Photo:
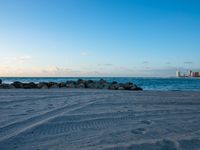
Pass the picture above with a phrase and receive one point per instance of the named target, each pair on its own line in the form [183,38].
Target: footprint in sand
[30,110]
[138,131]
[147,122]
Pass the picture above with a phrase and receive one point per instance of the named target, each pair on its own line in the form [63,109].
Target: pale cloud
[145,62]
[188,62]
[50,71]
[15,60]
[145,71]
[58,71]
[111,71]
[105,65]
[84,53]
[24,58]
[63,72]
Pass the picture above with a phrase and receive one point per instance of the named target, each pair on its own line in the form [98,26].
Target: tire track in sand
[19,127]
[49,129]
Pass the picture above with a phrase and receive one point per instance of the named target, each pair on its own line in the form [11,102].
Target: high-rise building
[178,73]
[195,74]
[190,73]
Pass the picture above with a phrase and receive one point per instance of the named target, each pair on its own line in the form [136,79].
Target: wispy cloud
[50,71]
[105,65]
[24,58]
[168,63]
[145,62]
[15,60]
[188,62]
[84,53]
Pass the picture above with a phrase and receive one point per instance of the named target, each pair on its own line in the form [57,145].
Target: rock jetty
[80,83]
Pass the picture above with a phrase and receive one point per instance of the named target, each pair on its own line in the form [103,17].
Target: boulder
[114,82]
[89,83]
[62,85]
[131,86]
[34,85]
[102,81]
[6,86]
[52,84]
[137,88]
[93,85]
[80,85]
[70,84]
[80,81]
[30,85]
[99,86]
[42,85]
[114,86]
[128,86]
[105,85]
[17,84]
[55,86]
[121,88]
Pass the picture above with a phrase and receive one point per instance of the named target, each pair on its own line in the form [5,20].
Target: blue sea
[161,84]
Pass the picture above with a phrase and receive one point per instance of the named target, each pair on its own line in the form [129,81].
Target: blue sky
[99,37]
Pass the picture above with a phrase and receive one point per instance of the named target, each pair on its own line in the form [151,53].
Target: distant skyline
[129,38]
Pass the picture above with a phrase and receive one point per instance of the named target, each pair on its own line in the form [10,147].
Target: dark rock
[62,85]
[70,84]
[51,84]
[79,81]
[131,86]
[128,86]
[26,86]
[121,88]
[102,81]
[6,86]
[30,85]
[42,85]
[80,85]
[114,86]
[90,81]
[0,81]
[90,85]
[138,89]
[17,84]
[93,85]
[105,85]
[34,85]
[114,82]
[99,86]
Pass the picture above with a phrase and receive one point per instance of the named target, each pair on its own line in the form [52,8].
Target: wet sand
[99,119]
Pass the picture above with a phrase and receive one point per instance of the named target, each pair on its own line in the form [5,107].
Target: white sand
[99,119]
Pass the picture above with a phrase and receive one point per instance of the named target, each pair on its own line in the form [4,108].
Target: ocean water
[161,84]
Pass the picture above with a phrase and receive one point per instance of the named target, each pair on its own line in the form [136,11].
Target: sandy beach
[48,119]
